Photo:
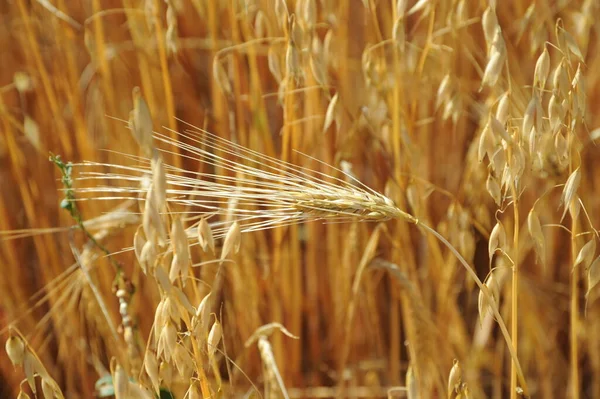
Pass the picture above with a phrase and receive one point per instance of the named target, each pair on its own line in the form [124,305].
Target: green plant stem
[69,204]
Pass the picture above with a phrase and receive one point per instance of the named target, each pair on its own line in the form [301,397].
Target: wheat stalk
[261,192]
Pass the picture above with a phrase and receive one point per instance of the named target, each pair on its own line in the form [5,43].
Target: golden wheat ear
[258,191]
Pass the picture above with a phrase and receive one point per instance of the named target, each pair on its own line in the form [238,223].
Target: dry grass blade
[266,331]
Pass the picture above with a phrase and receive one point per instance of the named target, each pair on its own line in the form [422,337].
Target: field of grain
[299,199]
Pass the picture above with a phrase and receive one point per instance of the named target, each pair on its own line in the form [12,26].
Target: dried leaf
[266,330]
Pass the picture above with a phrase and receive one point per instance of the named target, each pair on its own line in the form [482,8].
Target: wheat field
[299,199]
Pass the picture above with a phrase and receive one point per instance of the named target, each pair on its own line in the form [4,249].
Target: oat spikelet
[593,276]
[412,386]
[121,383]
[205,236]
[140,122]
[330,114]
[484,304]
[535,230]
[454,378]
[542,69]
[214,337]
[15,349]
[586,254]
[569,190]
[232,241]
[497,239]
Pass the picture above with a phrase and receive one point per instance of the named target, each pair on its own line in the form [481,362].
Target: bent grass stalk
[267,193]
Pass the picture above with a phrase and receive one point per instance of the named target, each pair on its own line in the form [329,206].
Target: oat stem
[574,310]
[515,293]
[493,305]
